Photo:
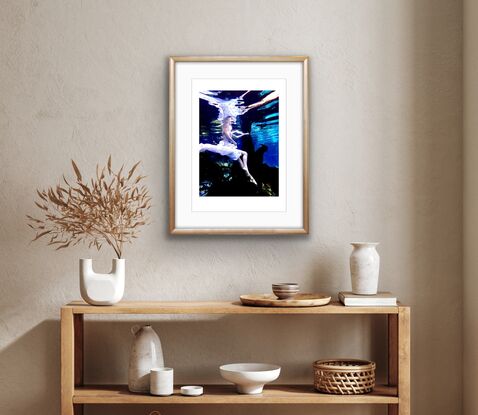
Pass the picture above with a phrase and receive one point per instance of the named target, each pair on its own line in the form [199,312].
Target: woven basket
[344,376]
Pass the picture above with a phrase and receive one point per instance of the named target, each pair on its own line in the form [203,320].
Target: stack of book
[381,299]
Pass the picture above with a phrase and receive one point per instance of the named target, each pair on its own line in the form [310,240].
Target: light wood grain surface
[226,394]
[404,360]
[67,361]
[217,307]
[299,300]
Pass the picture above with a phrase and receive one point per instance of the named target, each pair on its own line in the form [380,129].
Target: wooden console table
[74,394]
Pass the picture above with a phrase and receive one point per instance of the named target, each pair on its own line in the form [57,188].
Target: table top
[219,307]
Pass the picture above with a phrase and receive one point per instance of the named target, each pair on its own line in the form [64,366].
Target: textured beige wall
[83,79]
[470,205]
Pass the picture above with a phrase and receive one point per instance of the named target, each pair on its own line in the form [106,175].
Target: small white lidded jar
[162,381]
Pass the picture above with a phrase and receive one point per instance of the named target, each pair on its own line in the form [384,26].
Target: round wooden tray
[300,300]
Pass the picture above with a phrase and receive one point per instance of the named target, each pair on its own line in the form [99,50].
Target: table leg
[393,357]
[404,360]
[71,360]
[67,361]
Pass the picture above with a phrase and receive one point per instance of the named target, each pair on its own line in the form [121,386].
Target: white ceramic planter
[146,354]
[364,268]
[102,289]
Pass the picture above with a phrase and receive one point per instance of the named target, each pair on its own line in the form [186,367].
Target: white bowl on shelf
[250,378]
[192,390]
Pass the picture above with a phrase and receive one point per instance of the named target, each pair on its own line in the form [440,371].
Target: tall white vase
[364,268]
[102,289]
[146,354]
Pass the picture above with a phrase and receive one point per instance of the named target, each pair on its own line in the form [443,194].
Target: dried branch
[109,208]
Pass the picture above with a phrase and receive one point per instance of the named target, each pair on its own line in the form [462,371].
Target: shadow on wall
[33,356]
[436,197]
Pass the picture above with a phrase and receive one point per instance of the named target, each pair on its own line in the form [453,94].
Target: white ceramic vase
[146,354]
[102,289]
[364,268]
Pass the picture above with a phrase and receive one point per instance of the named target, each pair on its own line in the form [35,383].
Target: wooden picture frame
[278,81]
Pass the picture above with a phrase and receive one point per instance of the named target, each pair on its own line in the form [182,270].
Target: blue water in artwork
[239,143]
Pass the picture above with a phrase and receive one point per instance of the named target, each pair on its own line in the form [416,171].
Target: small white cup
[162,381]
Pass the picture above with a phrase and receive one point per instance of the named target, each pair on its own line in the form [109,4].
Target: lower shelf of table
[226,394]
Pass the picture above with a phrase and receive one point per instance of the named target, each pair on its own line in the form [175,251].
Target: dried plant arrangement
[107,209]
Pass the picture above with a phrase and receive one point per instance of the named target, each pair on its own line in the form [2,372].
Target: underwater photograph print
[239,143]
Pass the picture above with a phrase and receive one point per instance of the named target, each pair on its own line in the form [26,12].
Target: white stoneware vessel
[146,354]
[364,268]
[192,390]
[102,289]
[162,381]
[250,378]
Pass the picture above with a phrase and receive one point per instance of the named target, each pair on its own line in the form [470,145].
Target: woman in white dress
[228,146]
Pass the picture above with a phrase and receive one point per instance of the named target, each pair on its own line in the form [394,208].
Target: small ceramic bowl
[285,290]
[191,390]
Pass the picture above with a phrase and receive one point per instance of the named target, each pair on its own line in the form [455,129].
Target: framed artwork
[238,144]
